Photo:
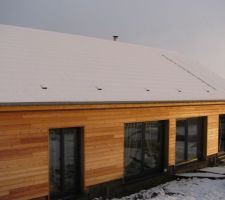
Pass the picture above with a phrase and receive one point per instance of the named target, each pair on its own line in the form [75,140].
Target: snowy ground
[216,170]
[184,189]
[202,175]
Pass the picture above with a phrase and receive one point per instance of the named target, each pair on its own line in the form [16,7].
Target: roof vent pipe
[115,37]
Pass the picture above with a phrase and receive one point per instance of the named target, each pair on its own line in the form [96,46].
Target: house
[79,112]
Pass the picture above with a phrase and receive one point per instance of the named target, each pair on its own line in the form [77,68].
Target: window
[189,139]
[222,133]
[65,162]
[143,147]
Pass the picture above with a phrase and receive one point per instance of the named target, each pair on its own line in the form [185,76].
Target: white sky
[193,27]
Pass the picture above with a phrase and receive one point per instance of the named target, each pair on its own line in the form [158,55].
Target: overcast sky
[193,27]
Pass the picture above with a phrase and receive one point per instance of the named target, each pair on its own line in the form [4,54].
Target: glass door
[153,148]
[189,139]
[65,162]
[222,134]
[181,141]
[144,148]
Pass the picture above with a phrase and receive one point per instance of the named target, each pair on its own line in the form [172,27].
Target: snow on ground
[183,189]
[201,175]
[216,170]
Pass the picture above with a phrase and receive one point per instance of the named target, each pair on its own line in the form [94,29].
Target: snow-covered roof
[48,67]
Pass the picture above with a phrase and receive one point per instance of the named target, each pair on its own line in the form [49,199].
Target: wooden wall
[212,134]
[24,142]
[172,142]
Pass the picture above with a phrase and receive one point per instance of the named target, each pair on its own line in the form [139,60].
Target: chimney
[115,37]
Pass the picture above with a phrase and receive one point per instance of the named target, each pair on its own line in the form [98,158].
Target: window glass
[143,148]
[180,141]
[152,156]
[69,160]
[189,139]
[193,131]
[133,151]
[65,163]
[54,163]
[222,134]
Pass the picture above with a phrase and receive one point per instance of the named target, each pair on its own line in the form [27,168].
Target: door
[65,162]
[153,146]
[144,148]
[189,139]
[222,134]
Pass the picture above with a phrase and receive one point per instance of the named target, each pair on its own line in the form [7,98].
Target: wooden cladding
[212,134]
[24,168]
[172,142]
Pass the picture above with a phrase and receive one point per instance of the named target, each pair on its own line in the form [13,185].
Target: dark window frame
[221,151]
[81,162]
[163,134]
[200,154]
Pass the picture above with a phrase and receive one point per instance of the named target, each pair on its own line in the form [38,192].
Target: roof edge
[34,106]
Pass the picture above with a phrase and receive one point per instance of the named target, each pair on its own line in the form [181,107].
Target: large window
[143,147]
[65,162]
[222,134]
[189,139]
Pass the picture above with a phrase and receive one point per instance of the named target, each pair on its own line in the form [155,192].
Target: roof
[39,66]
